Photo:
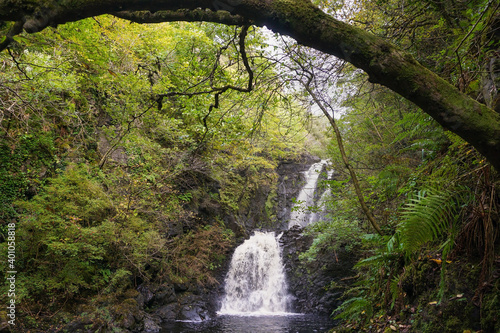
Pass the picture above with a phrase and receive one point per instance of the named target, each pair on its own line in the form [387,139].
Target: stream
[291,323]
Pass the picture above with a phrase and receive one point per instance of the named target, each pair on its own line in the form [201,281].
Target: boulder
[150,325]
[193,308]
[167,312]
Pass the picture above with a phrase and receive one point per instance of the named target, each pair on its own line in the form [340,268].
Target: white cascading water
[321,213]
[255,283]
[300,216]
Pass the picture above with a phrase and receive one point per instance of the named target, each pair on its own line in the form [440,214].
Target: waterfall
[255,283]
[300,215]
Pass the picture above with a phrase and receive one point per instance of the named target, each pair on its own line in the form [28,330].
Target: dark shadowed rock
[310,283]
[145,295]
[165,294]
[167,312]
[193,308]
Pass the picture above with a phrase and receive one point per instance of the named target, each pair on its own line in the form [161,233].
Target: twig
[467,36]
[129,127]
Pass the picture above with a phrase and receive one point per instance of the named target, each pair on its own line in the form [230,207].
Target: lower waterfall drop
[255,283]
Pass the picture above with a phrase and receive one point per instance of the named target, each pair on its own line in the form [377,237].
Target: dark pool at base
[253,324]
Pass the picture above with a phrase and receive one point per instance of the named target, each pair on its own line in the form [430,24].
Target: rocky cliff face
[316,286]
[270,205]
[290,181]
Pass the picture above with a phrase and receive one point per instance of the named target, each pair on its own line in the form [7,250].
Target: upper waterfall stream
[300,215]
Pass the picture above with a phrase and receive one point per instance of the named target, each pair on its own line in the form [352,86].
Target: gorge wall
[146,307]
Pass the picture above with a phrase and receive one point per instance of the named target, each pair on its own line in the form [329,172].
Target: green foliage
[429,215]
[61,238]
[109,147]
[24,162]
[73,194]
[330,235]
[356,308]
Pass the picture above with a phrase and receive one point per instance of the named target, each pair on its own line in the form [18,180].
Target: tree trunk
[308,25]
[345,159]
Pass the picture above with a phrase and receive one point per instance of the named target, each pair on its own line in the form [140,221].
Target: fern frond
[428,216]
[355,308]
[395,289]
[376,260]
[394,243]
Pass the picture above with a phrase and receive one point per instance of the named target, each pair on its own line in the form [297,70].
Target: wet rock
[193,308]
[88,325]
[165,294]
[140,300]
[167,312]
[190,313]
[127,321]
[146,295]
[126,313]
[181,287]
[149,325]
[290,181]
[310,283]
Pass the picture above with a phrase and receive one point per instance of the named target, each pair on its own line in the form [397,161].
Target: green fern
[395,289]
[356,308]
[377,260]
[430,215]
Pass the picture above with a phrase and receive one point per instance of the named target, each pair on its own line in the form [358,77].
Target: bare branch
[120,138]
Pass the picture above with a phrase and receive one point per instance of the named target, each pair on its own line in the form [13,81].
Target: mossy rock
[130,293]
[126,312]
